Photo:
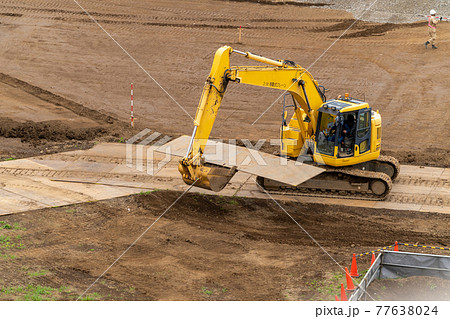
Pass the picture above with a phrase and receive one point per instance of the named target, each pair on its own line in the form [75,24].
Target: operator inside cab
[337,130]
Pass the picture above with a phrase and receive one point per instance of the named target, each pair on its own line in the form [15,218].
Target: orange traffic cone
[343,295]
[396,246]
[336,298]
[350,286]
[373,260]
[354,268]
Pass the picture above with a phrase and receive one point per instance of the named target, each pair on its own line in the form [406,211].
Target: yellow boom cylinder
[259,58]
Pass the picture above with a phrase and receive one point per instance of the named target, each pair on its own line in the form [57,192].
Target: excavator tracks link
[392,161]
[363,185]
[383,164]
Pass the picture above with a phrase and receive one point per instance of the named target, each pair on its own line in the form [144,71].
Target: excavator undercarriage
[370,180]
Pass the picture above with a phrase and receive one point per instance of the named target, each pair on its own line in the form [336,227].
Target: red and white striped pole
[132,116]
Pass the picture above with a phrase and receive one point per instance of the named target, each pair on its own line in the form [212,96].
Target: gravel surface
[393,11]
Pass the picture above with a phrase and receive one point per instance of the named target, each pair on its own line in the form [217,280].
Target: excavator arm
[282,75]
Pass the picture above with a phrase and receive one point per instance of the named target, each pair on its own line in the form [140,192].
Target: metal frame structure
[395,264]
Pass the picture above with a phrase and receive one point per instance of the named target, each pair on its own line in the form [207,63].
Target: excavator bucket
[209,177]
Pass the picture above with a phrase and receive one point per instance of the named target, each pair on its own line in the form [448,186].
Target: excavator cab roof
[335,107]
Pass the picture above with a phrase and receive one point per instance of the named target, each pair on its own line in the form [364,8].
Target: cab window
[363,124]
[363,131]
[326,136]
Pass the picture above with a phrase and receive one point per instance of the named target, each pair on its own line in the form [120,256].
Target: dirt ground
[56,47]
[412,288]
[65,85]
[203,248]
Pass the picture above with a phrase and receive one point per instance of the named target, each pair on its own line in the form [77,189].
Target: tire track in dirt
[169,25]
[365,29]
[178,15]
[79,174]
[436,199]
[432,199]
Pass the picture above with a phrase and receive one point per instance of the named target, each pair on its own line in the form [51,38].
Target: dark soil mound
[50,130]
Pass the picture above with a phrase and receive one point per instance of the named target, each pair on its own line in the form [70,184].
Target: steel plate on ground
[247,160]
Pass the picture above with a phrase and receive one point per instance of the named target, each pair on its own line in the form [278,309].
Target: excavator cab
[348,132]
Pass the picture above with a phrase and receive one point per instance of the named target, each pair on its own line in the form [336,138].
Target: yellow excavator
[342,135]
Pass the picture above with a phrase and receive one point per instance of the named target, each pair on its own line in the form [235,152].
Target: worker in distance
[432,22]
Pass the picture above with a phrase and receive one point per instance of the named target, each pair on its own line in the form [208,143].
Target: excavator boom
[281,75]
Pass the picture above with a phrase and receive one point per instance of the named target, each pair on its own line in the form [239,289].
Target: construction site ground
[66,189]
[204,248]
